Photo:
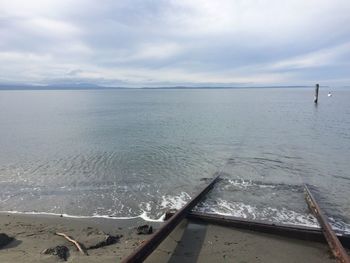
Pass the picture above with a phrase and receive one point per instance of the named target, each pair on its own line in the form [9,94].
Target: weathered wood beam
[316,93]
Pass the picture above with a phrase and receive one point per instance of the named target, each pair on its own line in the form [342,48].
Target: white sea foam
[244,184]
[143,215]
[175,202]
[239,209]
[146,209]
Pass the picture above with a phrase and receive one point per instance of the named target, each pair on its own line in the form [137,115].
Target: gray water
[128,153]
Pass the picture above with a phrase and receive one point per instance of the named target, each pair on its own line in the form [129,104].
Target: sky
[144,43]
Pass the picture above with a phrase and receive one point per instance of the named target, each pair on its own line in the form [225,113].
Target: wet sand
[35,233]
[190,242]
[197,242]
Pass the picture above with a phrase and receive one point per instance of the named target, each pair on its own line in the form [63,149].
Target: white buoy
[329,94]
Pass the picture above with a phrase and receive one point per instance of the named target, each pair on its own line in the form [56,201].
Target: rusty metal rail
[144,250]
[291,231]
[332,240]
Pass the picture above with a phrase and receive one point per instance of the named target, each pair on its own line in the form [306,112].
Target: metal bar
[293,231]
[144,250]
[332,240]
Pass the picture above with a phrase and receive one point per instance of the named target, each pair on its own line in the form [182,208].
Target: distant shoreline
[24,87]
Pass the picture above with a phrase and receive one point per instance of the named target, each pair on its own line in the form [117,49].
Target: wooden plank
[293,231]
[144,250]
[332,240]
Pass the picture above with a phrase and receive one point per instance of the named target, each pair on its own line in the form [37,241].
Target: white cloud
[200,41]
[319,58]
[156,51]
[52,27]
[33,8]
[259,18]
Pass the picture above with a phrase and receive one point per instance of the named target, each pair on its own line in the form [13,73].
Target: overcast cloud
[177,42]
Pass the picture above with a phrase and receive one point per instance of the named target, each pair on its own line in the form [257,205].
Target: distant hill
[89,86]
[80,86]
[235,87]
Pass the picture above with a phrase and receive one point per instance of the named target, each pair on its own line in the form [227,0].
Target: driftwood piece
[76,243]
[109,240]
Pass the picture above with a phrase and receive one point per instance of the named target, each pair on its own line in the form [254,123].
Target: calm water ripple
[127,153]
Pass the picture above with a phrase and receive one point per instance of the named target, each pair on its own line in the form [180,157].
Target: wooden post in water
[316,93]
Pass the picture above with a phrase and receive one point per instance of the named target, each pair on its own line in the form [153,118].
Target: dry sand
[189,242]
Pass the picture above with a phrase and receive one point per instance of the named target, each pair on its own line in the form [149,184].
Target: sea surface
[138,153]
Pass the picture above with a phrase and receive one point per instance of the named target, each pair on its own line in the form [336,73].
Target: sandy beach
[190,242]
[35,233]
[199,242]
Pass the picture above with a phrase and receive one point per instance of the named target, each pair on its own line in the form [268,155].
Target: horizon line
[97,87]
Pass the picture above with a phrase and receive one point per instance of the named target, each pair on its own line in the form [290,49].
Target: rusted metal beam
[332,240]
[144,250]
[293,231]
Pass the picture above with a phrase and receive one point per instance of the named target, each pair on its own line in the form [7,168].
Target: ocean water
[137,153]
